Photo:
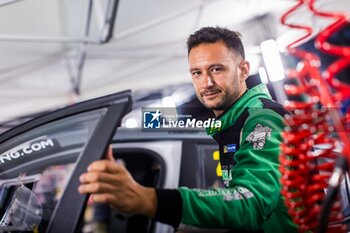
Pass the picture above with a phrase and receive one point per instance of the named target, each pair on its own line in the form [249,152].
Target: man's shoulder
[265,117]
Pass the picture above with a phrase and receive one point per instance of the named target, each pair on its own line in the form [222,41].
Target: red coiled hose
[343,52]
[315,123]
[343,62]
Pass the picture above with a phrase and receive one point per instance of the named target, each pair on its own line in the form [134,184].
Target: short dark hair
[214,34]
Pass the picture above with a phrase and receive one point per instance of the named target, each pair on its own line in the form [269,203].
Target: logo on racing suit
[229,148]
[258,136]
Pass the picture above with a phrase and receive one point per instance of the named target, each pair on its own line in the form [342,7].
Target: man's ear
[245,70]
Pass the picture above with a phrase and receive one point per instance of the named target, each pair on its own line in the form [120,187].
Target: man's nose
[207,81]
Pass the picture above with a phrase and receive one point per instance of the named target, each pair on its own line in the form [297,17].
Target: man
[248,140]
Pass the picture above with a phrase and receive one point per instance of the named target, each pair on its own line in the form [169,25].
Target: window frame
[72,202]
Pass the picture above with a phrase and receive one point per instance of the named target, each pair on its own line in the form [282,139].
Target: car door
[41,161]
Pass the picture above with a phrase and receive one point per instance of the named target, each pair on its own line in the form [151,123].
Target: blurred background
[58,52]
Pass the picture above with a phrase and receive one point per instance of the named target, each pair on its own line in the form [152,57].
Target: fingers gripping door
[94,150]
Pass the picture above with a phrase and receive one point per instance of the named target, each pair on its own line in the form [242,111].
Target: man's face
[218,75]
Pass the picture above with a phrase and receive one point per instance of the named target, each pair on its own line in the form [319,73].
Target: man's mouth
[210,94]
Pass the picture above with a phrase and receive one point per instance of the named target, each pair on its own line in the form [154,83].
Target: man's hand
[110,182]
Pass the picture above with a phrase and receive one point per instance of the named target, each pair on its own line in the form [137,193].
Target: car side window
[49,153]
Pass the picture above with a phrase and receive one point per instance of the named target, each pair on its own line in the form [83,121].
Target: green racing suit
[249,143]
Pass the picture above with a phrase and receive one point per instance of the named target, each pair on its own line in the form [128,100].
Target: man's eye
[195,73]
[215,70]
